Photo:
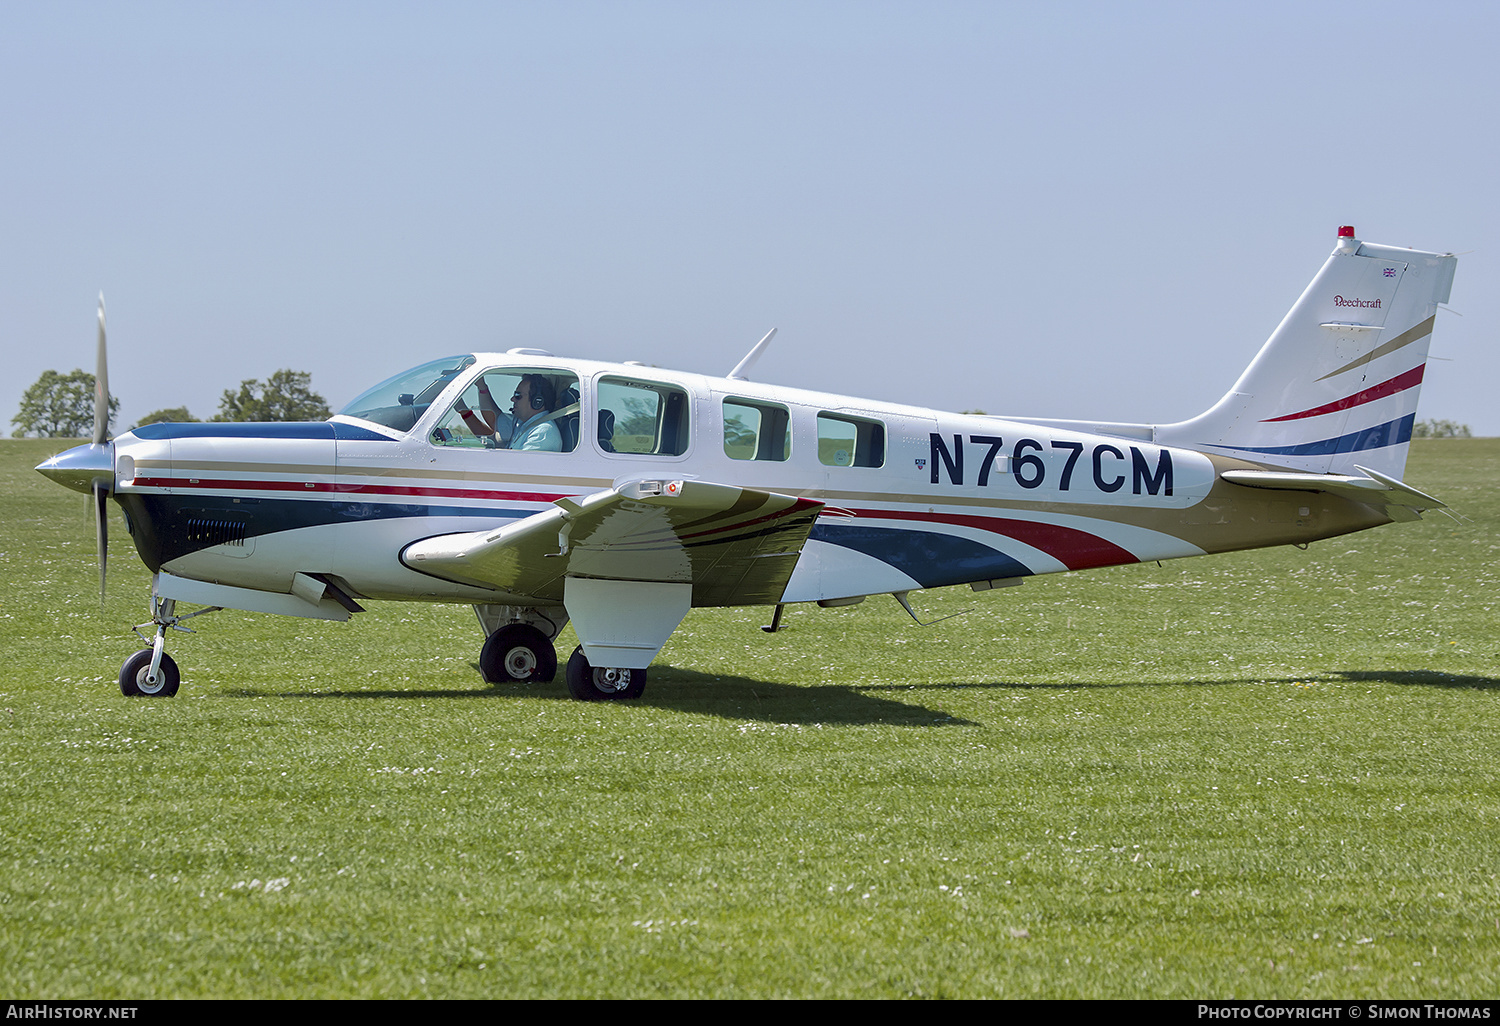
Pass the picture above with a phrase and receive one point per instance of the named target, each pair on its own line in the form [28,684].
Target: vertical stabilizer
[1337,382]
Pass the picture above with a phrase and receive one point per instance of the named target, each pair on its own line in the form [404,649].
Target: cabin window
[527,410]
[850,441]
[756,431]
[643,418]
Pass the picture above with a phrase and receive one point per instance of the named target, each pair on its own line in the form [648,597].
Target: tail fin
[1337,382]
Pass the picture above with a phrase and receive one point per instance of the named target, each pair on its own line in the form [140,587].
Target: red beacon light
[1346,232]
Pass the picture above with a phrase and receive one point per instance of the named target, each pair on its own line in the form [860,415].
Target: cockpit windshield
[399,402]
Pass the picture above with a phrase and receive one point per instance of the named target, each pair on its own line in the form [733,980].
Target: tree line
[62,405]
[1440,429]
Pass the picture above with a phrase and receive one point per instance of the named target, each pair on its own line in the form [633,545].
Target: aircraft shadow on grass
[1420,678]
[737,698]
[745,698]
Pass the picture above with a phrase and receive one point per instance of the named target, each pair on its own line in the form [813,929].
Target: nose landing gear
[147,675]
[151,673]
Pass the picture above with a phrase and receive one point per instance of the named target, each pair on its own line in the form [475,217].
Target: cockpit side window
[646,418]
[523,409]
[756,431]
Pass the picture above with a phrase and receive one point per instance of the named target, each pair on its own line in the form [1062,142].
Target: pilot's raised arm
[489,420]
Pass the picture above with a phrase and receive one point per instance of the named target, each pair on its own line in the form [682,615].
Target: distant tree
[1440,429]
[638,418]
[59,406]
[285,395]
[175,415]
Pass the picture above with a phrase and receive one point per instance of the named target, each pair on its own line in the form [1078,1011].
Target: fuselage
[914,498]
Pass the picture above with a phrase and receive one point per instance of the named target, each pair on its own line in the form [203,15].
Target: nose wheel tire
[517,653]
[134,676]
[589,683]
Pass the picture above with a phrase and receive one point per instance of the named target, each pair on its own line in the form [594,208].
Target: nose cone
[81,466]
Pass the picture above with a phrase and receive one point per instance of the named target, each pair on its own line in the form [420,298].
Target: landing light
[641,489]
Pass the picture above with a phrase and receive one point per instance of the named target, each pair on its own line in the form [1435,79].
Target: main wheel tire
[133,674]
[589,683]
[517,653]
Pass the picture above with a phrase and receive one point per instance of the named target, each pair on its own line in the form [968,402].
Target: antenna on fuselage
[901,597]
[743,367]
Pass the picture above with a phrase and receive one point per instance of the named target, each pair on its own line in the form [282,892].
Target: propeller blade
[100,487]
[101,385]
[101,531]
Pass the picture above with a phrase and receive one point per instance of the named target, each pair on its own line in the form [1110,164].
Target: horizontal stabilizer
[1397,500]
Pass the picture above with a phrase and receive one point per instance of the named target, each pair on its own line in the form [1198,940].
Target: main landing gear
[518,649]
[518,643]
[589,683]
[517,653]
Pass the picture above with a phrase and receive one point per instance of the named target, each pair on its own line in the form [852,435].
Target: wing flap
[733,545]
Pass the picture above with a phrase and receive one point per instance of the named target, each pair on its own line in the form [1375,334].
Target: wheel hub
[611,678]
[520,663]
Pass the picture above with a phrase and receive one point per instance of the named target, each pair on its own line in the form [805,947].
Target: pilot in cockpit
[531,407]
[530,425]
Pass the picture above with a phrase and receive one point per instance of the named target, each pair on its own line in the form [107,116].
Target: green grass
[1267,774]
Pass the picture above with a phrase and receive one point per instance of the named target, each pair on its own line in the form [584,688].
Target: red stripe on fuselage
[1075,549]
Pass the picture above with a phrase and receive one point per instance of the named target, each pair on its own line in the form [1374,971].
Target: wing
[1395,499]
[735,546]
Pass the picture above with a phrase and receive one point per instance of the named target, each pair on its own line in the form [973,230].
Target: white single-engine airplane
[540,489]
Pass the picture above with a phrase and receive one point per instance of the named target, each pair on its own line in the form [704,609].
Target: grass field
[1269,774]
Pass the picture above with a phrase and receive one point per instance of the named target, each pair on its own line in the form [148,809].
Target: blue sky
[1063,209]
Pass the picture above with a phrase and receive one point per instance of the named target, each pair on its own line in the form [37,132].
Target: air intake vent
[209,531]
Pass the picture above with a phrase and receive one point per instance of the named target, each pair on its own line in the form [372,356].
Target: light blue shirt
[537,435]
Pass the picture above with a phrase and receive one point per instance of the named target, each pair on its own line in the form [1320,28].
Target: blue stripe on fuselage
[931,559]
[318,429]
[159,523]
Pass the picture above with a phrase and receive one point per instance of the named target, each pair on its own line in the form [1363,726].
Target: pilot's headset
[543,395]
